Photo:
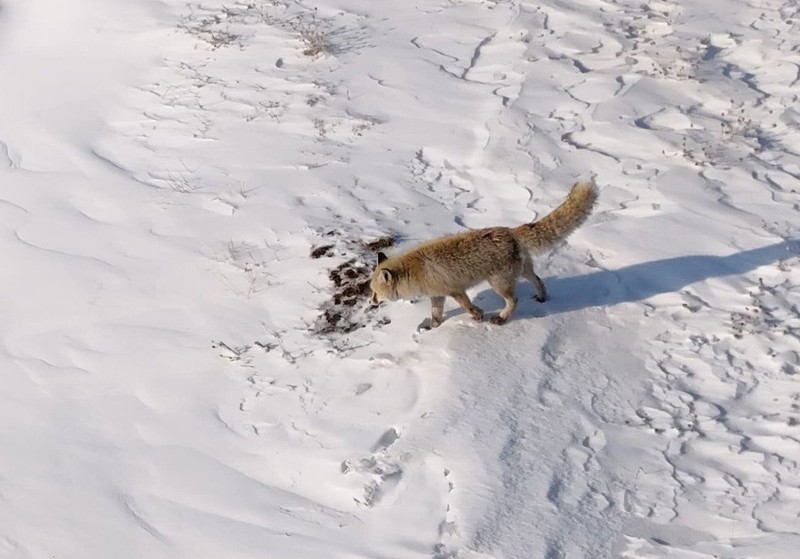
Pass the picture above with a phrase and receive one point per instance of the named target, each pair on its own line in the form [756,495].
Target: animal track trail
[381,472]
[547,393]
[573,485]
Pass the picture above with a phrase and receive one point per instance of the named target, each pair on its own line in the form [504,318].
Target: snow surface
[166,168]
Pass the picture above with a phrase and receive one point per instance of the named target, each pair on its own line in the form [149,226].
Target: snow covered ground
[182,379]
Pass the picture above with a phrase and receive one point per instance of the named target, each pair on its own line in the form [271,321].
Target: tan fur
[448,266]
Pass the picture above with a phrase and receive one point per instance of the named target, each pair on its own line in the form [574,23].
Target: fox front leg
[437,314]
[437,311]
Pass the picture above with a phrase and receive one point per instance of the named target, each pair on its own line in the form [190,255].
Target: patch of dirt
[381,243]
[348,308]
[322,250]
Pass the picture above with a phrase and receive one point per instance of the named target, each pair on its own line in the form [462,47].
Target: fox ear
[387,275]
[381,257]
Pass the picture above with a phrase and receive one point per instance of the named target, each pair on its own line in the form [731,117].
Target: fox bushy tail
[558,224]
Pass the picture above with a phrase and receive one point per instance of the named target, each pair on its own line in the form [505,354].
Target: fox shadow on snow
[635,282]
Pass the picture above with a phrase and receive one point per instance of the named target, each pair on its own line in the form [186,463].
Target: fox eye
[387,275]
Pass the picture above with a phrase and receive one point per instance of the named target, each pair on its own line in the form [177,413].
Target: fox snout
[373,300]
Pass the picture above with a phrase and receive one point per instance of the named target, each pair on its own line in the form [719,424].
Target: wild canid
[448,266]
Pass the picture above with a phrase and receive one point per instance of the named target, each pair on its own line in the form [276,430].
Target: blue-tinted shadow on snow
[638,281]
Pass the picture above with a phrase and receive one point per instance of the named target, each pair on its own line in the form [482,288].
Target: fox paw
[497,319]
[476,314]
[428,324]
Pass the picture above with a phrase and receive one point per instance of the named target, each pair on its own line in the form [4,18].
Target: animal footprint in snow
[375,491]
[383,473]
[383,476]
[386,440]
[596,441]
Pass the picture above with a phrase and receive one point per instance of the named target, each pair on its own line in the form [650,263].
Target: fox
[449,265]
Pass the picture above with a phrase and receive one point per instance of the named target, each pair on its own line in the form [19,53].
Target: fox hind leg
[530,275]
[505,288]
[462,299]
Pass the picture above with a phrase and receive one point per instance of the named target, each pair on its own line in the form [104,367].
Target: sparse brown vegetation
[220,27]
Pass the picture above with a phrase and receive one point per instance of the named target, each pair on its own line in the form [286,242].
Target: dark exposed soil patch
[348,309]
[380,244]
[320,251]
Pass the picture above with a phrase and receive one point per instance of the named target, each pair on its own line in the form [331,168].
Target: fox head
[383,283]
